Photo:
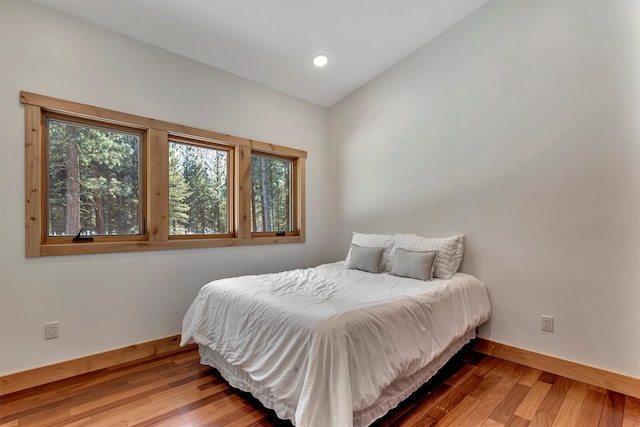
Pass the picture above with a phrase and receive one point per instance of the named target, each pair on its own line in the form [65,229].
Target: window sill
[52,249]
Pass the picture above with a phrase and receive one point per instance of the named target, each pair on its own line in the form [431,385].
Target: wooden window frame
[154,186]
[45,171]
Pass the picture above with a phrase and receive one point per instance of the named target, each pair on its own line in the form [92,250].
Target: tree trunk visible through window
[93,180]
[72,220]
[266,202]
[100,226]
[198,189]
[271,209]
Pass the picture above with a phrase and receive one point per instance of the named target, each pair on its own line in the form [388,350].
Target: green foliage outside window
[271,194]
[93,180]
[198,190]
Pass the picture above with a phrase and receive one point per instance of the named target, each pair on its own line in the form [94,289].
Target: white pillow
[385,241]
[365,258]
[450,250]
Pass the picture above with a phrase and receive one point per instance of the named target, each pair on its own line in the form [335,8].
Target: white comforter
[325,342]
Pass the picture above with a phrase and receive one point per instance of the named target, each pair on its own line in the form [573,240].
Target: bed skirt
[395,393]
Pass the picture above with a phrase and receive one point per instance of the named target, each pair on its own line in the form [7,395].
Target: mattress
[330,346]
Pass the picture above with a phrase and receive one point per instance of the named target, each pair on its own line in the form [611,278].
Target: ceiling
[272,42]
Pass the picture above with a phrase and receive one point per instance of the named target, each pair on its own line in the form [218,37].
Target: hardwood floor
[472,390]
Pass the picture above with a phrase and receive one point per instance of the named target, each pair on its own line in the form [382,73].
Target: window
[271,194]
[130,183]
[198,189]
[93,179]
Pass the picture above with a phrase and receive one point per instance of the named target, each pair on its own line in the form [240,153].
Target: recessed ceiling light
[320,60]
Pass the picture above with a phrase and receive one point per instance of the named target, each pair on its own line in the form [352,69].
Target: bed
[333,345]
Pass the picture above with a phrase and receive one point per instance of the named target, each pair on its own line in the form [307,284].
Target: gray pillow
[416,265]
[365,258]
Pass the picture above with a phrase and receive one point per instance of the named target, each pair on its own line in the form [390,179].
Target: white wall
[519,127]
[110,301]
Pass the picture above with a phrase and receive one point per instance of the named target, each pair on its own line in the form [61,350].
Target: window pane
[93,180]
[271,194]
[198,189]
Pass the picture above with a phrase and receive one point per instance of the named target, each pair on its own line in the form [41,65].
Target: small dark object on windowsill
[281,233]
[80,238]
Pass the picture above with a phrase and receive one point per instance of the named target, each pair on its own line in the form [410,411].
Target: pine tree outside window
[93,179]
[271,194]
[198,189]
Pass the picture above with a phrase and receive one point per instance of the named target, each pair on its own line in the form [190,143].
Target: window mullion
[243,191]
[157,161]
[299,196]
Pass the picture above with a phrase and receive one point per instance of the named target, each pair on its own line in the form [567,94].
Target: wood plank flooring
[175,390]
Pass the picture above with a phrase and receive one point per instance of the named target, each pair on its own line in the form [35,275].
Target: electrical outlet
[50,330]
[547,323]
